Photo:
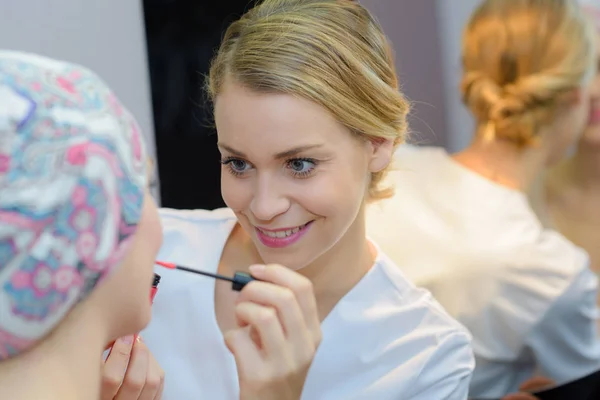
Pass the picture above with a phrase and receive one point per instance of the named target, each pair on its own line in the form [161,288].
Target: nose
[269,199]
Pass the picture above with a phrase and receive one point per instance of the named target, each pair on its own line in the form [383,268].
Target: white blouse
[526,294]
[385,339]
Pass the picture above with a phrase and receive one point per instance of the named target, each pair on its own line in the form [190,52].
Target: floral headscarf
[72,182]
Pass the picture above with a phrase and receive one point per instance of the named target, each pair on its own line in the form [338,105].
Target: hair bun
[520,60]
[517,110]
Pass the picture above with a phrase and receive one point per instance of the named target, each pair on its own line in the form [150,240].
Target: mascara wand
[239,280]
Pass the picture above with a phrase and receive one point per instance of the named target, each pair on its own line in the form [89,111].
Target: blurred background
[154,53]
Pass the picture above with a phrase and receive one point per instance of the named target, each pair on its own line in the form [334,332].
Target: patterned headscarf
[72,179]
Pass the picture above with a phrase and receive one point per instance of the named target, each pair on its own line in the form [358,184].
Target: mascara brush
[239,280]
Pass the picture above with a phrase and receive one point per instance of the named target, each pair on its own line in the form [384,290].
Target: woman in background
[572,195]
[308,113]
[461,225]
[78,237]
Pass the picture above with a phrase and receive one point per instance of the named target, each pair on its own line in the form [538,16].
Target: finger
[536,383]
[115,367]
[135,378]
[160,390]
[154,378]
[247,356]
[284,301]
[265,322]
[302,288]
[519,396]
[108,346]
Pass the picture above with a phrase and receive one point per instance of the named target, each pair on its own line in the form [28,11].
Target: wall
[452,16]
[107,36]
[426,37]
[411,25]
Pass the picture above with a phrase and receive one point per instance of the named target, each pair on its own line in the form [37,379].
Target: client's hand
[520,396]
[531,385]
[277,336]
[537,383]
[131,372]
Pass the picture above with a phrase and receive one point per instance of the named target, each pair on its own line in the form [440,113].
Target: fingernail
[138,339]
[127,339]
[257,268]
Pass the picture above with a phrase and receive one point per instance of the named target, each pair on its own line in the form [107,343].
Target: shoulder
[182,222]
[525,284]
[551,248]
[443,358]
[187,234]
[408,155]
[412,303]
[197,217]
[402,341]
[563,270]
[546,267]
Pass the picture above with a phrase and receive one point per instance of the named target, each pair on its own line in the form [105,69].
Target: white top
[526,294]
[384,340]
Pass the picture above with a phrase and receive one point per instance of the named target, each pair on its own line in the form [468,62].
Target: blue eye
[236,166]
[301,167]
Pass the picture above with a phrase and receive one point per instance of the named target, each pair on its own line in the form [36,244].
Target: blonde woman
[572,195]
[308,113]
[461,225]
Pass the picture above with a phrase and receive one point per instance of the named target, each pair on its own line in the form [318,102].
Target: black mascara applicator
[239,280]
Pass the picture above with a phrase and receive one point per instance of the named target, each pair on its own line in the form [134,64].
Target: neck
[503,163]
[584,167]
[334,273]
[66,365]
[337,271]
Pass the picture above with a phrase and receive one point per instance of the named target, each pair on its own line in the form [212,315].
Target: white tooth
[282,234]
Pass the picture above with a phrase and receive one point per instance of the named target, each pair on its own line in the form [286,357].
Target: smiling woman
[308,114]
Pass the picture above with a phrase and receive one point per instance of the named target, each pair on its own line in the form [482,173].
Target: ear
[382,151]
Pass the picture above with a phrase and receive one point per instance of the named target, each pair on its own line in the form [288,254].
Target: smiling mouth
[281,234]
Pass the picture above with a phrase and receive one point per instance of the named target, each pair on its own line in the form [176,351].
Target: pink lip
[279,243]
[594,116]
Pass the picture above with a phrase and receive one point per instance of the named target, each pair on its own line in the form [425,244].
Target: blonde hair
[521,59]
[331,52]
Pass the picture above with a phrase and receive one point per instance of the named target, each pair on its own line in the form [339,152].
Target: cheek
[595,88]
[337,192]
[154,227]
[236,193]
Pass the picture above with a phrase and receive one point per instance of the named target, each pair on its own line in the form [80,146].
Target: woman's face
[591,134]
[295,177]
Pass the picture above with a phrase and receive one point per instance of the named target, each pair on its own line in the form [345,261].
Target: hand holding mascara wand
[239,280]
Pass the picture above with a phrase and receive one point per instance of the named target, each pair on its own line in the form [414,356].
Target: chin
[292,257]
[289,260]
[141,319]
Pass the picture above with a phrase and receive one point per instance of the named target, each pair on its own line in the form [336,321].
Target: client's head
[79,230]
[527,68]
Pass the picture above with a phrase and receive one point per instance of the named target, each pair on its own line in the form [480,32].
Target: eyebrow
[284,154]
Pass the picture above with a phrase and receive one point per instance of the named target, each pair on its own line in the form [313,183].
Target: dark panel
[182,36]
